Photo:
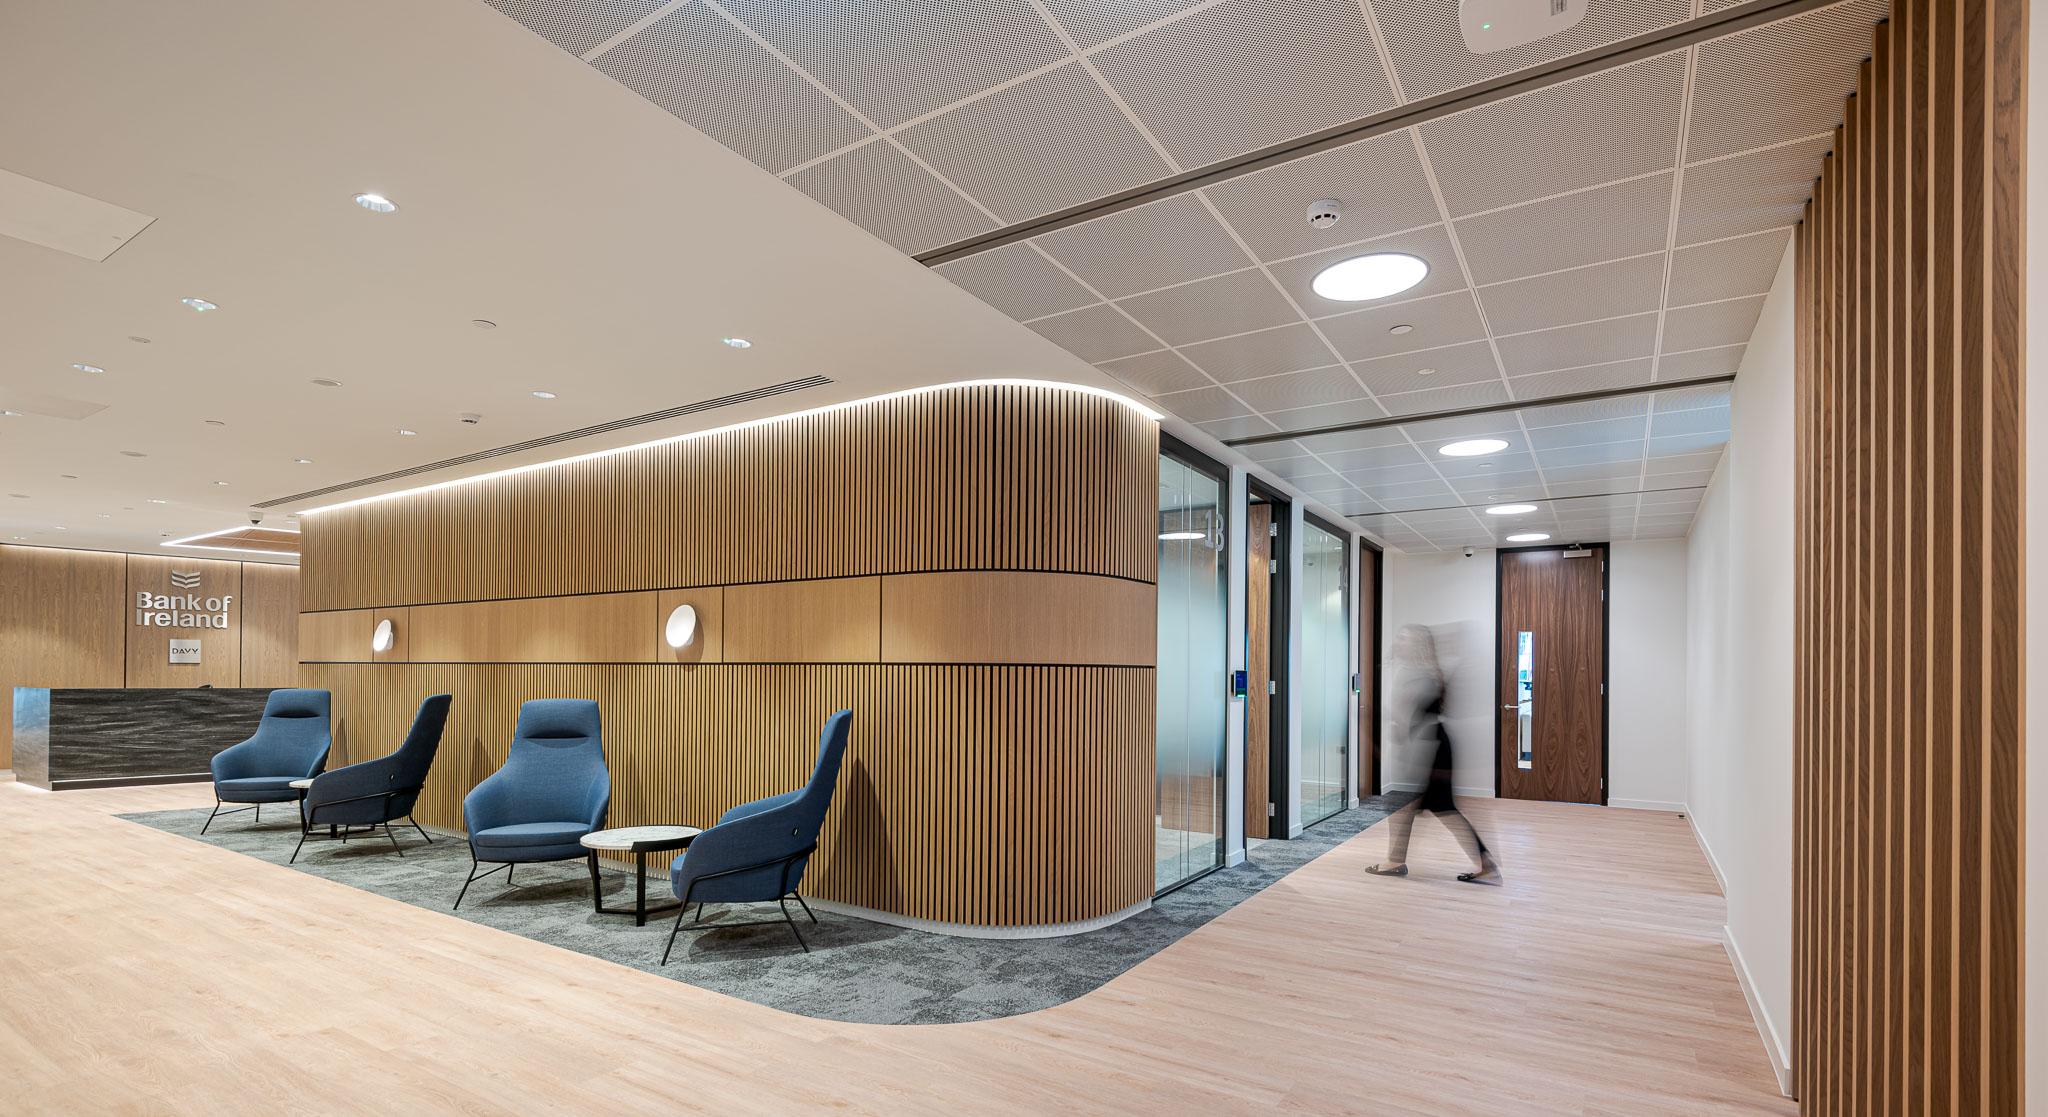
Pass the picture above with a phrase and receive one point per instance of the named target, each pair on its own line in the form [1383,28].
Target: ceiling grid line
[632,29]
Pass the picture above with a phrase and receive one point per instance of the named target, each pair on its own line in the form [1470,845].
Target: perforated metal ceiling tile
[1309,418]
[1703,362]
[1153,246]
[1614,124]
[1604,223]
[1686,443]
[1514,459]
[1749,193]
[896,60]
[1267,353]
[1662,462]
[1702,420]
[1592,411]
[1781,80]
[1095,334]
[1470,363]
[1432,245]
[1445,399]
[1241,427]
[1378,182]
[1153,373]
[1272,451]
[1607,472]
[1357,440]
[1590,343]
[1430,54]
[1375,459]
[1037,146]
[1608,290]
[1299,389]
[1711,325]
[1727,269]
[1371,479]
[1500,488]
[1436,322]
[1593,378]
[1501,425]
[1624,429]
[1304,469]
[1247,73]
[1227,304]
[576,25]
[1603,453]
[1094,22]
[880,189]
[1411,494]
[692,62]
[1202,405]
[1018,281]
[1687,399]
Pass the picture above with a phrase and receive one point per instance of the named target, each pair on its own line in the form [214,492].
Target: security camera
[1469,552]
[255,516]
[1323,214]
[471,418]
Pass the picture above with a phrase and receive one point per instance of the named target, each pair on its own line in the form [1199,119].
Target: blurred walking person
[1421,699]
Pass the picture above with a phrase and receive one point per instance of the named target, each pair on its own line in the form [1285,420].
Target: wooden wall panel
[1258,712]
[336,637]
[832,620]
[958,802]
[63,621]
[1906,924]
[587,628]
[1003,616]
[270,625]
[148,654]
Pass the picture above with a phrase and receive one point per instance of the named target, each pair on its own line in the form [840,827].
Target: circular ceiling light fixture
[1180,535]
[199,304]
[302,461]
[220,482]
[681,627]
[326,383]
[133,454]
[10,414]
[1510,509]
[376,203]
[1472,448]
[381,640]
[88,368]
[544,395]
[737,342]
[154,500]
[1529,537]
[402,430]
[1425,372]
[1362,278]
[138,339]
[1403,328]
[483,323]
[215,423]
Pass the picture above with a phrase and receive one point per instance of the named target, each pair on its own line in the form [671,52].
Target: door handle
[1510,707]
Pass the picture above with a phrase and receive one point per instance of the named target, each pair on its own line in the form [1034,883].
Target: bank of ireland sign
[186,606]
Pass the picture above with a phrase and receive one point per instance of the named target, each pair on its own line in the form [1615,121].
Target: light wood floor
[144,973]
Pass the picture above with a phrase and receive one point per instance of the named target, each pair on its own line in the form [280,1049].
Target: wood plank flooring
[193,980]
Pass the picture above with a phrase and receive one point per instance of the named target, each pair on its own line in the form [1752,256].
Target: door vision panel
[1552,674]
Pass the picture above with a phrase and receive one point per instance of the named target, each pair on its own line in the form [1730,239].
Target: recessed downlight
[483,323]
[1425,372]
[544,395]
[154,500]
[1180,535]
[1403,328]
[199,304]
[326,383]
[1377,276]
[215,423]
[1510,509]
[402,430]
[13,414]
[133,454]
[376,203]
[88,368]
[1472,447]
[220,482]
[302,461]
[738,342]
[1529,537]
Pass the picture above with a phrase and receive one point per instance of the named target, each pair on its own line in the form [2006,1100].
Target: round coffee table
[638,841]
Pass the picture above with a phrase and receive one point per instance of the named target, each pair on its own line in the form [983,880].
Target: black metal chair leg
[209,817]
[793,929]
[259,814]
[297,848]
[508,874]
[678,927]
[423,830]
[807,907]
[466,883]
[394,840]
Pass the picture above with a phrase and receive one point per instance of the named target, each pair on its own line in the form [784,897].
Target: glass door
[1193,693]
[1325,673]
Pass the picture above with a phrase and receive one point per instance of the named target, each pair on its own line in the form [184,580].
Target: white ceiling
[1618,230]
[613,247]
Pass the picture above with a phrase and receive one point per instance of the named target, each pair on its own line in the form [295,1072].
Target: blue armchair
[758,850]
[553,789]
[291,743]
[377,792]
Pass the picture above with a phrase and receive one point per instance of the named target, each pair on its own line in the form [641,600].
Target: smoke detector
[1323,214]
[1496,25]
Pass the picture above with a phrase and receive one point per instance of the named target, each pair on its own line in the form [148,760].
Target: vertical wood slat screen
[1906,952]
[991,477]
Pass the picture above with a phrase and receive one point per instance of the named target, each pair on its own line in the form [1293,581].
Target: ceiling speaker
[1496,25]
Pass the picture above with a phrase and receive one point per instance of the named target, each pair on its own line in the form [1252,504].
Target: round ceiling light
[544,395]
[1510,509]
[402,430]
[1529,537]
[215,423]
[220,482]
[376,203]
[326,383]
[199,304]
[380,640]
[737,342]
[1472,447]
[1181,535]
[483,323]
[11,414]
[681,627]
[1377,276]
[88,368]
[302,461]
[1425,372]
[133,454]
[154,500]
[1403,328]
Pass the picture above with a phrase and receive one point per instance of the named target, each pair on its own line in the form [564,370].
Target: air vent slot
[566,436]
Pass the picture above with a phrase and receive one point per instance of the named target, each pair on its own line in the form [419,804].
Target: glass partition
[1193,696]
[1325,682]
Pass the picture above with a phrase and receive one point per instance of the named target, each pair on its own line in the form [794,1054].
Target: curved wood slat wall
[1002,538]
[1907,897]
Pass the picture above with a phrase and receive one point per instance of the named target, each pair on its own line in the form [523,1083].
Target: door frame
[1279,743]
[1369,666]
[1344,536]
[1169,446]
[1606,653]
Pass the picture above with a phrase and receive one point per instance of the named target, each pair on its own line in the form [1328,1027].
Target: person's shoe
[1385,870]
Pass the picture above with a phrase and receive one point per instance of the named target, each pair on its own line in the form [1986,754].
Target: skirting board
[1713,863]
[1460,792]
[1781,1061]
[1647,805]
[975,931]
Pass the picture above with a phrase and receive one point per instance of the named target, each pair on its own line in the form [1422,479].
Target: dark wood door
[1553,657]
[1258,705]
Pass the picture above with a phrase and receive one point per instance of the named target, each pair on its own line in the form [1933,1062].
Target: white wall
[1646,624]
[1453,595]
[1739,694]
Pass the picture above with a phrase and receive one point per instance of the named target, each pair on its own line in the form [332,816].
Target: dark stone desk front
[68,738]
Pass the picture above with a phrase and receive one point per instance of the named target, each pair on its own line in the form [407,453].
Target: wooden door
[1368,645]
[1258,704]
[1553,722]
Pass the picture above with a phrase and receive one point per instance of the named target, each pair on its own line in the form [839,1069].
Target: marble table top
[625,837]
[300,784]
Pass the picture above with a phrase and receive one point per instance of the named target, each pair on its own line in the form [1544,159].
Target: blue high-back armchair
[381,791]
[553,789]
[758,850]
[291,743]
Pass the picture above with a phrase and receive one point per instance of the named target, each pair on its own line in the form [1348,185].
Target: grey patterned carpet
[857,971]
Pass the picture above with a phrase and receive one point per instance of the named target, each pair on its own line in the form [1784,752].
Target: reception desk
[71,738]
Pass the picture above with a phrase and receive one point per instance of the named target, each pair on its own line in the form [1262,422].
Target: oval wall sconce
[681,627]
[380,640]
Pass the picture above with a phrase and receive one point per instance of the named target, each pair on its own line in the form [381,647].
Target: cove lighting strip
[188,543]
[1083,389]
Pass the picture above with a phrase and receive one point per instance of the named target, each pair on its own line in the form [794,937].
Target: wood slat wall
[1907,891]
[1000,536]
